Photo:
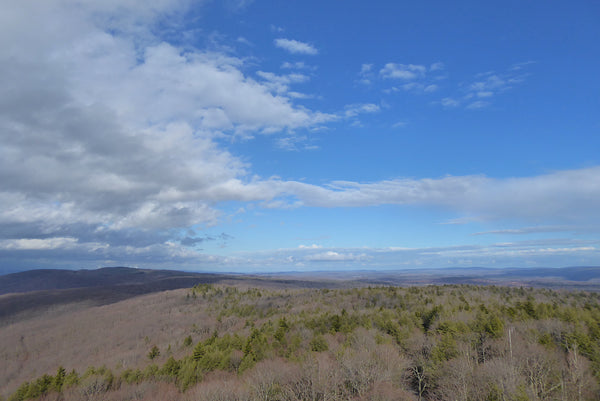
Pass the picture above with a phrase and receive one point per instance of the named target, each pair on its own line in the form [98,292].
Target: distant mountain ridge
[38,290]
[56,279]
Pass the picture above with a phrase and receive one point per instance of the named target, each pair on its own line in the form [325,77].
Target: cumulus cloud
[110,141]
[106,128]
[296,47]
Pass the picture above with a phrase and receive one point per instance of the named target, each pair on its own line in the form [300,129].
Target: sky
[257,136]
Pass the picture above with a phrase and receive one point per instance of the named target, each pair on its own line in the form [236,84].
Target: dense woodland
[453,342]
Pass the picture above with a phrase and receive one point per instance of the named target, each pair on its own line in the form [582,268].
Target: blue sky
[247,136]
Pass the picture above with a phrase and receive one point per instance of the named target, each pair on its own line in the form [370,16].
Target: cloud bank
[111,143]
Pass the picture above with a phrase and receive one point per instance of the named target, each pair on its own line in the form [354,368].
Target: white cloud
[243,40]
[479,104]
[106,129]
[332,256]
[298,65]
[356,109]
[450,102]
[296,47]
[38,244]
[529,230]
[366,68]
[557,252]
[400,124]
[109,140]
[237,5]
[520,66]
[299,95]
[490,84]
[402,71]
[414,77]
[567,196]
[366,74]
[485,85]
[412,86]
[436,66]
[281,83]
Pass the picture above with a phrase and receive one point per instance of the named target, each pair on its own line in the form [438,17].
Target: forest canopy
[417,343]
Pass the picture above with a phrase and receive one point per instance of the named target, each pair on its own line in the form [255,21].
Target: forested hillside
[216,342]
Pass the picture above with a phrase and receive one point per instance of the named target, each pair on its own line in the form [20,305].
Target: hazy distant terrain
[309,336]
[583,278]
[39,289]
[156,280]
[54,279]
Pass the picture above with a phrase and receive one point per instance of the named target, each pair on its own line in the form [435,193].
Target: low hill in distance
[57,279]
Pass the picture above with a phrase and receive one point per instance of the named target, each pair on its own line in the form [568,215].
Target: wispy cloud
[413,78]
[439,66]
[296,47]
[237,5]
[333,256]
[480,92]
[405,72]
[478,104]
[297,142]
[529,230]
[354,110]
[566,196]
[281,83]
[450,102]
[521,65]
[555,252]
[366,74]
[313,246]
[400,124]
[243,40]
[298,65]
